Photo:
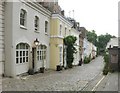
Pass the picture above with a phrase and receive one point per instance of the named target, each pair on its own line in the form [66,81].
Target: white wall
[2,59]
[87,48]
[77,55]
[15,34]
[119,22]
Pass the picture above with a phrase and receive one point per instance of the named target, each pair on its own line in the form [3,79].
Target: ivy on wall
[69,41]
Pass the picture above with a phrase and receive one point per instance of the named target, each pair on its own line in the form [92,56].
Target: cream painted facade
[21,54]
[17,36]
[60,28]
[2,49]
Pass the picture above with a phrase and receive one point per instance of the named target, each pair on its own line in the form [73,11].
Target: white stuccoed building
[112,42]
[2,49]
[119,23]
[89,49]
[25,23]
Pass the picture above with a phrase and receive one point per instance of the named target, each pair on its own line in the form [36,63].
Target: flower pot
[59,68]
[42,70]
[31,71]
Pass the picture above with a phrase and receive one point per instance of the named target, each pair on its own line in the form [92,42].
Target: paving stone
[67,80]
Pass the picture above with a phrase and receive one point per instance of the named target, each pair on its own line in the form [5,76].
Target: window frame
[41,53]
[60,54]
[23,18]
[46,27]
[36,22]
[60,30]
[22,53]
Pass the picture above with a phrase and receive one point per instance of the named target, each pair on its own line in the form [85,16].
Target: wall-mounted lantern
[36,42]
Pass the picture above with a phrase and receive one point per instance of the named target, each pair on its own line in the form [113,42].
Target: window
[69,32]
[41,53]
[60,30]
[36,23]
[46,26]
[23,17]
[65,31]
[22,53]
[60,54]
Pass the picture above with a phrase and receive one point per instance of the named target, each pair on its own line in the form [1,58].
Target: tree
[92,37]
[102,41]
[69,41]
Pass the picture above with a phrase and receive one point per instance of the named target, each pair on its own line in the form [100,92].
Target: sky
[98,15]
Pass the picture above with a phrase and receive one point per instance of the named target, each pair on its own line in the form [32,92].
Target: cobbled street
[74,79]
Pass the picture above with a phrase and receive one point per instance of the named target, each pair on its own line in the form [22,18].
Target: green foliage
[69,41]
[92,37]
[106,66]
[99,41]
[87,59]
[102,41]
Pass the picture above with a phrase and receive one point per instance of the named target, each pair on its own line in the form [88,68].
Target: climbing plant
[69,41]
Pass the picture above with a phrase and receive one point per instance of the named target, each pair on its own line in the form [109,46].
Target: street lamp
[36,42]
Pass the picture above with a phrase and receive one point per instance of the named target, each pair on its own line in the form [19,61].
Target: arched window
[36,24]
[41,52]
[23,14]
[22,53]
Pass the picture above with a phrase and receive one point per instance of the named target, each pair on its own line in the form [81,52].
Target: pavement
[74,79]
[109,83]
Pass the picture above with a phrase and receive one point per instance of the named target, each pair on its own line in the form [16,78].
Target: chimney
[62,12]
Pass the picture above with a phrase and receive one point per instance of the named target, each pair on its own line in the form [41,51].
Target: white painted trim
[57,37]
[60,45]
[62,19]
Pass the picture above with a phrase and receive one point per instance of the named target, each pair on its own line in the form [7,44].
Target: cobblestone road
[73,79]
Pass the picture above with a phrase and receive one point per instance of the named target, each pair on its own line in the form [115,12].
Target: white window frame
[23,17]
[41,52]
[46,27]
[65,31]
[60,54]
[60,30]
[36,23]
[22,53]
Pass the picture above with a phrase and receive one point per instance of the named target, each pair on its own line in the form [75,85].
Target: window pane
[23,53]
[38,58]
[20,53]
[26,53]
[23,59]
[27,46]
[17,53]
[17,60]
[20,60]
[26,59]
[37,52]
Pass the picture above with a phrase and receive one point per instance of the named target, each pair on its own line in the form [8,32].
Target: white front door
[22,58]
[41,56]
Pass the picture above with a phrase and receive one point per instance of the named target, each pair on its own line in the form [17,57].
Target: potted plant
[42,69]
[31,71]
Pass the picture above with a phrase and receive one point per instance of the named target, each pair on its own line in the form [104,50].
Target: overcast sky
[98,15]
